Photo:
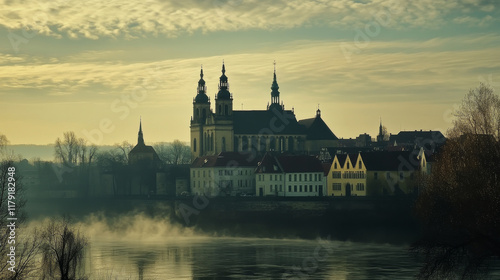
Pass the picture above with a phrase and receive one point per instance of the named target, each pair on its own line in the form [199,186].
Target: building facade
[256,131]
[290,176]
[376,173]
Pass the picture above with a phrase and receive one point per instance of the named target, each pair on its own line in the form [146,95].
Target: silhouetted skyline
[404,61]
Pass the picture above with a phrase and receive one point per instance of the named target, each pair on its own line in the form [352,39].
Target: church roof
[317,129]
[144,149]
[263,121]
[225,159]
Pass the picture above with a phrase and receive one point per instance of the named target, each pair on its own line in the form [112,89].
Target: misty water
[246,258]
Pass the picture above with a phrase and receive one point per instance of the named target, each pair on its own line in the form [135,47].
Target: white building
[225,174]
[289,175]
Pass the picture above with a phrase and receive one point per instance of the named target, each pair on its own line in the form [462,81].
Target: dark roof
[418,138]
[201,98]
[289,164]
[226,159]
[391,161]
[347,150]
[341,158]
[326,167]
[143,149]
[263,121]
[317,129]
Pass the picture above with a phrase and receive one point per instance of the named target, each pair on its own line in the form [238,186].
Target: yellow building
[375,173]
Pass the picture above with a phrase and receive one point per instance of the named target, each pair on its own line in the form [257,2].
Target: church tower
[221,134]
[201,112]
[223,99]
[275,95]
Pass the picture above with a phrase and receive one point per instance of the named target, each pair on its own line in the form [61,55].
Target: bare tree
[125,147]
[459,205]
[26,245]
[73,151]
[62,250]
[479,113]
[173,153]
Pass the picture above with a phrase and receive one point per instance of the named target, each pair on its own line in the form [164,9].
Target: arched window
[212,142]
[220,109]
[272,143]
[244,143]
[204,113]
[194,144]
[290,144]
[226,110]
[236,144]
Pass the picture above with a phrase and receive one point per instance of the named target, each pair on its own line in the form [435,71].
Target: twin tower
[227,130]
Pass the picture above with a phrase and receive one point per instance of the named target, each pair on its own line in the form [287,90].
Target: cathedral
[258,131]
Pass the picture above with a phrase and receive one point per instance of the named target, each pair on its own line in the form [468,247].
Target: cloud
[94,19]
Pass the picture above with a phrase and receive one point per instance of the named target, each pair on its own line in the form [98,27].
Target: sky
[97,67]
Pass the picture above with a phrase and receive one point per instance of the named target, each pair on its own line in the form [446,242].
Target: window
[305,177]
[289,177]
[315,177]
[295,177]
[271,188]
[360,165]
[348,165]
[311,177]
[276,177]
[316,188]
[300,177]
[311,188]
[194,174]
[300,188]
[360,187]
[375,176]
[336,174]
[336,186]
[280,178]
[289,188]
[198,173]
[295,188]
[335,166]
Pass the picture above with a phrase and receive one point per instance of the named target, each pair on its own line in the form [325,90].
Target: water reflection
[240,258]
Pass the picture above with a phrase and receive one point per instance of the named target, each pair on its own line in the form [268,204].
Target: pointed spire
[140,138]
[318,112]
[223,68]
[223,85]
[275,94]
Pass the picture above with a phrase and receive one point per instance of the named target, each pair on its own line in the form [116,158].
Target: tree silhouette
[459,206]
[62,250]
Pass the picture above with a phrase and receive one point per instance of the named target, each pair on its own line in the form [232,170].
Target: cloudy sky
[95,67]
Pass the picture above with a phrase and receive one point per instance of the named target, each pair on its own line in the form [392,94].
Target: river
[246,258]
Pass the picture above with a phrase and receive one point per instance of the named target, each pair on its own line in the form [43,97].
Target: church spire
[201,96]
[223,85]
[275,94]
[140,138]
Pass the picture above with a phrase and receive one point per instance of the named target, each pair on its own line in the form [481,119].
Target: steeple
[140,138]
[275,94]
[223,85]
[318,112]
[201,96]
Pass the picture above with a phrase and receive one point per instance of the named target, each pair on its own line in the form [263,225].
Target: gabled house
[375,173]
[289,175]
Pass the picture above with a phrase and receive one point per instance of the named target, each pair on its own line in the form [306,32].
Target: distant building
[257,131]
[375,173]
[225,174]
[429,140]
[289,175]
[143,154]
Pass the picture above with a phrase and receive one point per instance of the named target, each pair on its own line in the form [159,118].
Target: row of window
[295,177]
[228,172]
[338,187]
[299,188]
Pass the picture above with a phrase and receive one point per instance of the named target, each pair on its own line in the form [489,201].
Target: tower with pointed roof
[275,94]
[141,153]
[223,99]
